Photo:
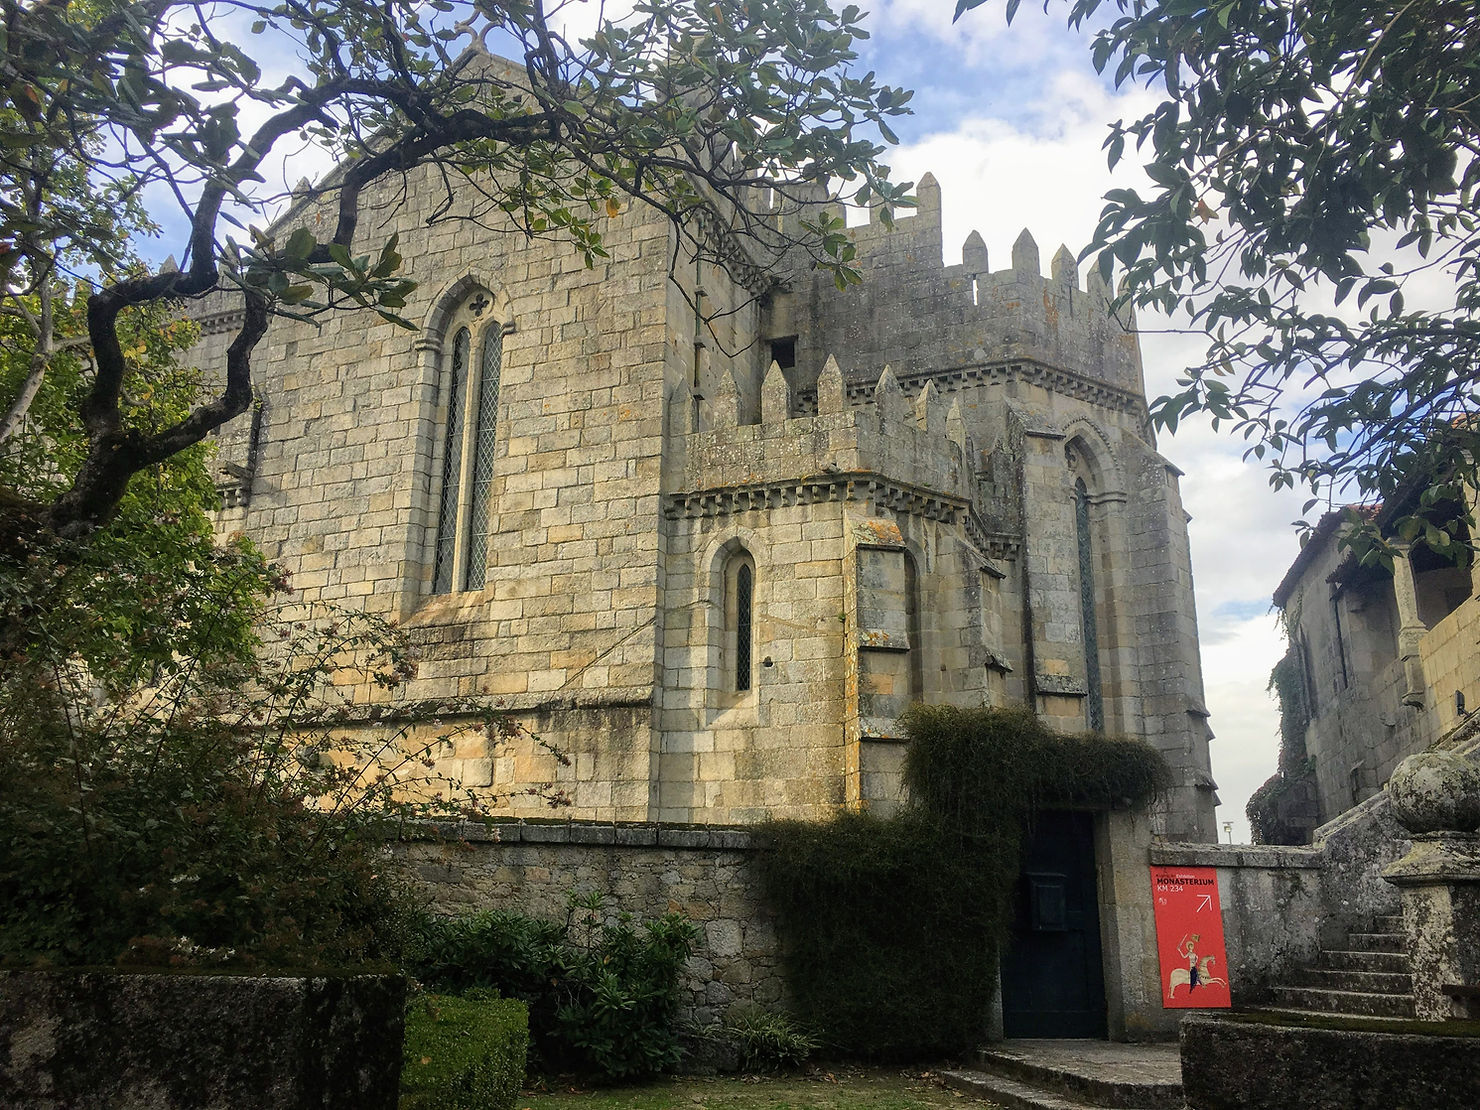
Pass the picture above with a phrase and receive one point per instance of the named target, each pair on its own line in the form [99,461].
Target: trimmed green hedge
[464,1053]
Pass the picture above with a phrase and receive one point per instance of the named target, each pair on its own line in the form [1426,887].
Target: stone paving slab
[1009,1093]
[1103,1061]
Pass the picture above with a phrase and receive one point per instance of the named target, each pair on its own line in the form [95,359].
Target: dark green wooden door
[1053,982]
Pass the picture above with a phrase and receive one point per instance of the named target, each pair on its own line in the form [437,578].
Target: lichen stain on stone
[1050,311]
[33,1043]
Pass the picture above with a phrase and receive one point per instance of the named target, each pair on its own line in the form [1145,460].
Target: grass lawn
[845,1088]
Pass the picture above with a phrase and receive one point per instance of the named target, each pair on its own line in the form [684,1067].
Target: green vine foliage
[892,927]
[1269,807]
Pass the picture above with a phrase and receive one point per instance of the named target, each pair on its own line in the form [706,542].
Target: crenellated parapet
[922,316]
[1049,318]
[894,451]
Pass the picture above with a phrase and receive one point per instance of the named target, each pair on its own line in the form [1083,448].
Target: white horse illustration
[1182,976]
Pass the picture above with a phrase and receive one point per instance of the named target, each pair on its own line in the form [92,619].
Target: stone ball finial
[1436,792]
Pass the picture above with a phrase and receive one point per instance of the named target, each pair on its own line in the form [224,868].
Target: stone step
[1344,1002]
[1377,942]
[1011,1094]
[1099,1073]
[1347,960]
[1344,979]
[1388,923]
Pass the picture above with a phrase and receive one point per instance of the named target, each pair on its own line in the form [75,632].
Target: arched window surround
[1095,490]
[462,350]
[733,633]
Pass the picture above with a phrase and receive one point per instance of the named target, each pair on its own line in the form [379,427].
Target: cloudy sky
[1011,121]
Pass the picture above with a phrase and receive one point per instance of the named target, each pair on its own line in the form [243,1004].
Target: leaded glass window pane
[493,355]
[451,466]
[743,584]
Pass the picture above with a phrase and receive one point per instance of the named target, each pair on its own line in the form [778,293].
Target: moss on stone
[1339,1023]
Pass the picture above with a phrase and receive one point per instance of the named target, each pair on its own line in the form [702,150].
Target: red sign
[1189,937]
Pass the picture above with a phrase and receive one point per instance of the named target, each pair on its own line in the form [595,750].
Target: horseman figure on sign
[1198,972]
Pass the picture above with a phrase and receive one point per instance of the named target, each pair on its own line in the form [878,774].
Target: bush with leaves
[768,1040]
[602,989]
[892,928]
[215,816]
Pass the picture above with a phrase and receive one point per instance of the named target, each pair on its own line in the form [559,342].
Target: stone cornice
[215,323]
[864,487]
[949,380]
[856,486]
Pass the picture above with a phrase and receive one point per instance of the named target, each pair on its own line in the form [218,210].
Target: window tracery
[471,380]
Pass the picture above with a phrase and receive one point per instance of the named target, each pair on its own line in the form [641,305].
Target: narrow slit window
[447,512]
[477,554]
[744,584]
[1087,620]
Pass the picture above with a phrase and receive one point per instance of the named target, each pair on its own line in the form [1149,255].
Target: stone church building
[710,530]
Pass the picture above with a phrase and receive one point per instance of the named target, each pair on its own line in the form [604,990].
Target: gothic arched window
[740,622]
[1087,621]
[472,386]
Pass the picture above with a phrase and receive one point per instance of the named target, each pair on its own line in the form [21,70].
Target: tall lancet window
[1087,621]
[492,364]
[744,608]
[738,666]
[472,389]
[447,511]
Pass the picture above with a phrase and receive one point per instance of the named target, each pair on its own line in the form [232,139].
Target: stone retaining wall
[644,869]
[1228,1064]
[183,1041]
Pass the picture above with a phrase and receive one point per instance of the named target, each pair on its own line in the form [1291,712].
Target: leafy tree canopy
[1312,207]
[682,103]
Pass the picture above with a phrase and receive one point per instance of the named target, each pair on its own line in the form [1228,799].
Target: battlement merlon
[918,314]
[919,444]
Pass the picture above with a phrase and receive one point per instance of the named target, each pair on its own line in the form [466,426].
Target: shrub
[215,815]
[889,930]
[892,927]
[464,1053]
[602,993]
[768,1040]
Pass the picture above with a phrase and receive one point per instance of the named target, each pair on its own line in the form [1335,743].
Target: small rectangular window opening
[784,351]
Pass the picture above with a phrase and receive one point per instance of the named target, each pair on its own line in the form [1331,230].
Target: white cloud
[1043,169]
[1245,719]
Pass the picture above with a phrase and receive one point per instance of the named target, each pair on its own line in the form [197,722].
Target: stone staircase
[1073,1075]
[1368,978]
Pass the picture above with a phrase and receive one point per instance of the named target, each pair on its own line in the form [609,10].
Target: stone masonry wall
[646,870]
[1362,724]
[643,436]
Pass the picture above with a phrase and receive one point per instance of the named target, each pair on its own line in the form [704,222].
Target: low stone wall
[173,1041]
[1272,908]
[645,870]
[1233,1064]
[1281,904]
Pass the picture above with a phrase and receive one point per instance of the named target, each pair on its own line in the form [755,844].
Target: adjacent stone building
[1385,663]
[711,529]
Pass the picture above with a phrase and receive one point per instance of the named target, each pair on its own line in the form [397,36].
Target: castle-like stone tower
[711,531]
